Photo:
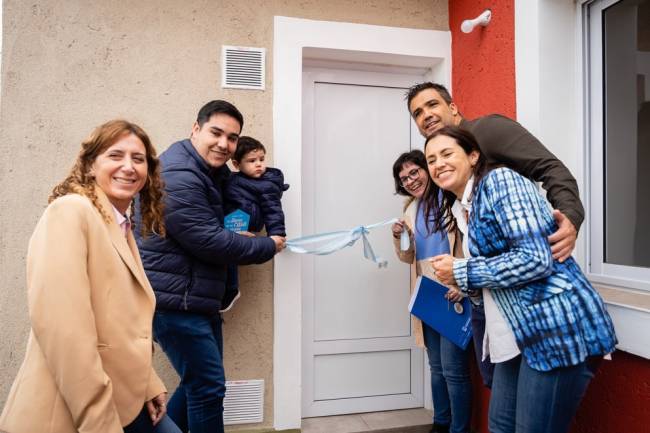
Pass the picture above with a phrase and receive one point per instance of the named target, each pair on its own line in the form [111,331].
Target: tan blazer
[418,267]
[88,361]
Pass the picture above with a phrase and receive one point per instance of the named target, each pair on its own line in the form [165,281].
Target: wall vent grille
[244,402]
[243,67]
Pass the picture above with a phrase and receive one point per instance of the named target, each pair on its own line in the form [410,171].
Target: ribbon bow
[335,241]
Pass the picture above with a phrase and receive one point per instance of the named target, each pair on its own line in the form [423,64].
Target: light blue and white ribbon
[404,241]
[327,243]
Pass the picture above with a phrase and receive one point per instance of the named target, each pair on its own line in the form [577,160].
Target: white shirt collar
[461,210]
[122,221]
[119,216]
[466,201]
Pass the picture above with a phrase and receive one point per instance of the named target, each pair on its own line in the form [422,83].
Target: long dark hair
[438,202]
[415,157]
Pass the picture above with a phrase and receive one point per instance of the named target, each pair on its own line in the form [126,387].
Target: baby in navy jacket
[256,189]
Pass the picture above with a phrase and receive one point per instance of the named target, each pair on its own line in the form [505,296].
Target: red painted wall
[483,82]
[618,399]
[483,62]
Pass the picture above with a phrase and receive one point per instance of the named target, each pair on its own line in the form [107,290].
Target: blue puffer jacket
[187,268]
[259,198]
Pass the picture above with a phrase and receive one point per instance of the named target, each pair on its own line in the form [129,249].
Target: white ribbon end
[404,241]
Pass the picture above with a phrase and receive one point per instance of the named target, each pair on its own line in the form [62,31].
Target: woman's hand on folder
[443,269]
[454,294]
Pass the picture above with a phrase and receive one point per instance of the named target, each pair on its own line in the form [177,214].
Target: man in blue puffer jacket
[188,268]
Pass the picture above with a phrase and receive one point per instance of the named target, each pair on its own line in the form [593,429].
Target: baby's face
[253,164]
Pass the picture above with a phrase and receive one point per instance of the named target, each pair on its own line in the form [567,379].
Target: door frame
[367,47]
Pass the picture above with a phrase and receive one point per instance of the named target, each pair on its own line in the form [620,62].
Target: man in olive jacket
[188,268]
[503,141]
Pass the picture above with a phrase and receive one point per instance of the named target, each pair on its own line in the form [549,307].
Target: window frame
[598,270]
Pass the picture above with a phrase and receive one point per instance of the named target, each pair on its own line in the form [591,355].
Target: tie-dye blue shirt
[556,315]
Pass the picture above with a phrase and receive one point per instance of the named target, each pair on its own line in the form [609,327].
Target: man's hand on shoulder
[563,241]
[280,242]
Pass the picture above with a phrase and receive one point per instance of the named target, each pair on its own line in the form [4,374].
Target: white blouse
[499,340]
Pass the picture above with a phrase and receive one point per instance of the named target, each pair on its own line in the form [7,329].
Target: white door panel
[354,299]
[348,374]
[358,351]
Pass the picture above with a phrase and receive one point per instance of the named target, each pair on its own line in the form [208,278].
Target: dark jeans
[529,401]
[143,424]
[451,387]
[194,345]
[486,368]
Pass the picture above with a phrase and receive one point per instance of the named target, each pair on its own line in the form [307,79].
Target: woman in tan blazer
[88,365]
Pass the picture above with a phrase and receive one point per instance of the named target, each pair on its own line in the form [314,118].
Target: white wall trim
[548,83]
[551,104]
[334,41]
[631,326]
[527,64]
[1,6]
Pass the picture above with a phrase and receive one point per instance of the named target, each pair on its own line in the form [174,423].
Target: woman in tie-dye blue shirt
[557,320]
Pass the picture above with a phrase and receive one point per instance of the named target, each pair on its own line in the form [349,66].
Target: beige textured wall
[70,65]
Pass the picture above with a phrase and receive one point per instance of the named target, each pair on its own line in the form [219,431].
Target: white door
[358,350]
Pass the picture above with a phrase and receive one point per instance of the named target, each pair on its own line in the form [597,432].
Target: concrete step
[394,421]
[410,429]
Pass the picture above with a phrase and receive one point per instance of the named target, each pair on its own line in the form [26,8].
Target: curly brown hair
[81,181]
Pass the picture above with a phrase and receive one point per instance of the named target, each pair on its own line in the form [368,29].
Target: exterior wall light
[482,20]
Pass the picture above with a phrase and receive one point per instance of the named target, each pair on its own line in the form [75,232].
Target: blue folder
[429,304]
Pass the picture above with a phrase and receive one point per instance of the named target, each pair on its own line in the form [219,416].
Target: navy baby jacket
[259,198]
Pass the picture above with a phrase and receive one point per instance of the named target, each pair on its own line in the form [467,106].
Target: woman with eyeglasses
[451,387]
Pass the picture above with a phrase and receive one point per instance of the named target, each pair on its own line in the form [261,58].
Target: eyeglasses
[412,175]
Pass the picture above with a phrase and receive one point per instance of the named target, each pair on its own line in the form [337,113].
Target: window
[619,141]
